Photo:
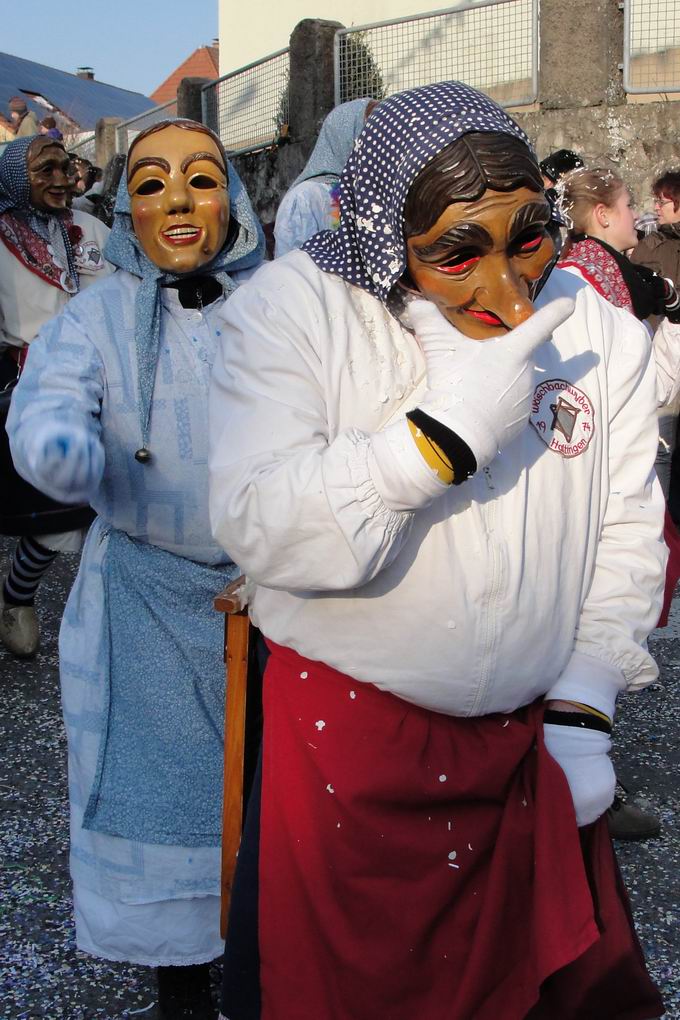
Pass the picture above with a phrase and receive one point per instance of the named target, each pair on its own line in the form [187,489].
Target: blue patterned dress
[143,700]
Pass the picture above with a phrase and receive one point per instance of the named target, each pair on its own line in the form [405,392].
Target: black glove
[662,293]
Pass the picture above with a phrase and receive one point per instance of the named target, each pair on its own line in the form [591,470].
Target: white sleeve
[295,507]
[667,357]
[624,599]
[304,211]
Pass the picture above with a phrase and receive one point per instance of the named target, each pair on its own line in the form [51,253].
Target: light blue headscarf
[339,131]
[123,249]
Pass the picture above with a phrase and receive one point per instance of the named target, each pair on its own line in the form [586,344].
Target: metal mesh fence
[492,45]
[129,129]
[651,59]
[85,147]
[249,107]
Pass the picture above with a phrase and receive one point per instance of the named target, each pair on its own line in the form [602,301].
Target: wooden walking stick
[236,656]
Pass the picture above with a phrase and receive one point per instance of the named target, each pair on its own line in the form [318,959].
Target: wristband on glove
[582,720]
[433,456]
[457,453]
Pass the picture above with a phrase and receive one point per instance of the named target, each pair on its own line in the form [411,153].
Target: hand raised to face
[177,181]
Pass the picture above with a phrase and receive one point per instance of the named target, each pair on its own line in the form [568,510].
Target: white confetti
[352,695]
[304,675]
[453,855]
[319,724]
[454,865]
[506,723]
[449,826]
[330,788]
[470,847]
[442,778]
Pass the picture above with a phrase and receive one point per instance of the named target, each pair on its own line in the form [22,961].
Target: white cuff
[590,681]
[402,478]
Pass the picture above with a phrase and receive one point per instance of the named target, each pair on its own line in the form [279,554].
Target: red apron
[415,866]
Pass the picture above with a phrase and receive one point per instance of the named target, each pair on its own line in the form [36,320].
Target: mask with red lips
[177,182]
[481,258]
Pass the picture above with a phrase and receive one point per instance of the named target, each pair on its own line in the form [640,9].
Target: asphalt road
[43,975]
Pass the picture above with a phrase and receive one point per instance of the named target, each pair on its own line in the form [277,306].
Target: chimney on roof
[216,42]
[85,72]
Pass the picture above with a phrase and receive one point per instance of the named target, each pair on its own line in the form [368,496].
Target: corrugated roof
[83,100]
[203,63]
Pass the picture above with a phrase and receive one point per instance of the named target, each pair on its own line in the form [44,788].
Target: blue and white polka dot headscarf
[401,136]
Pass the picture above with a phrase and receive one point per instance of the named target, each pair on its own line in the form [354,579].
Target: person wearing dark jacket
[660,249]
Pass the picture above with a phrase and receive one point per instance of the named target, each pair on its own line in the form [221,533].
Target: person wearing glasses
[659,250]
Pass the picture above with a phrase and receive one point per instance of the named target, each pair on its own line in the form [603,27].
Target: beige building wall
[251,31]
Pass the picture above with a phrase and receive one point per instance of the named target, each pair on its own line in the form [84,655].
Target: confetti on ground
[44,976]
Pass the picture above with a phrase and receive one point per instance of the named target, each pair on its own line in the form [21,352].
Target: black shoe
[628,821]
[184,993]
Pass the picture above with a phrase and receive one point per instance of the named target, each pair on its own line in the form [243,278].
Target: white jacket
[543,573]
[27,302]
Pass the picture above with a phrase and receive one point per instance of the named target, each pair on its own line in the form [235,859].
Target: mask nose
[178,198]
[505,293]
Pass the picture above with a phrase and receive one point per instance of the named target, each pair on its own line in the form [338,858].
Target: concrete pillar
[105,139]
[311,78]
[581,46]
[189,98]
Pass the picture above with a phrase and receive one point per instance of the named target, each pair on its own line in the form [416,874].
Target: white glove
[583,756]
[65,461]
[482,389]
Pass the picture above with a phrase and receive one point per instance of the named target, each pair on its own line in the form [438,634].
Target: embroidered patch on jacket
[563,416]
[89,258]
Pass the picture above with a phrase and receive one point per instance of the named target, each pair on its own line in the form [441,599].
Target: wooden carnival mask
[481,258]
[50,174]
[177,182]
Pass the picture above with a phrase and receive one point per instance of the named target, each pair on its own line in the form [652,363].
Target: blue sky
[134,44]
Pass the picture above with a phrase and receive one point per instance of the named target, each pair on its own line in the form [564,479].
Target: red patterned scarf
[600,269]
[36,253]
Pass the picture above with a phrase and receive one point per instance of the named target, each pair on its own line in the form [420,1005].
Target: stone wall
[581,104]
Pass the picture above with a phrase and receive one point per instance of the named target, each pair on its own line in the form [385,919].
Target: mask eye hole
[152,186]
[461,263]
[530,241]
[203,182]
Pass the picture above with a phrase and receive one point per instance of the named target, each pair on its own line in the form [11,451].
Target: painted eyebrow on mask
[533,214]
[63,162]
[462,234]
[149,161]
[196,156]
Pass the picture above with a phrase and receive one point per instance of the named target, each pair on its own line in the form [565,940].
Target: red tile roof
[203,63]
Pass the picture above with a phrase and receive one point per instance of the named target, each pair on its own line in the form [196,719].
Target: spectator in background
[311,203]
[24,120]
[48,126]
[557,164]
[86,184]
[659,250]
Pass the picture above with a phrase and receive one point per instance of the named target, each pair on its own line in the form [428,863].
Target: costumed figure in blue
[112,410]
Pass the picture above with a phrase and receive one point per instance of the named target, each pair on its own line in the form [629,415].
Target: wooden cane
[236,646]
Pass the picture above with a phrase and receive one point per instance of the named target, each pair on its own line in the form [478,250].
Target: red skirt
[415,866]
[672,540]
